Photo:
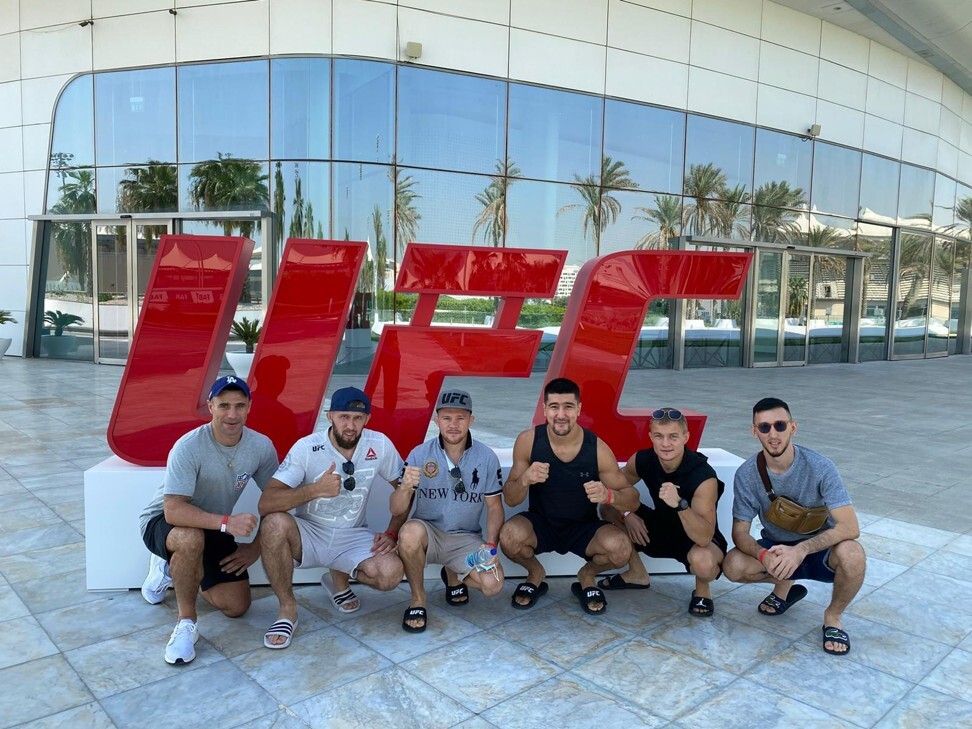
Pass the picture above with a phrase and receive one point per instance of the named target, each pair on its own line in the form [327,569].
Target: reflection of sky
[448,205]
[363,114]
[727,145]
[136,116]
[534,223]
[74,124]
[315,189]
[357,189]
[300,90]
[649,141]
[917,191]
[879,186]
[628,230]
[836,179]
[783,158]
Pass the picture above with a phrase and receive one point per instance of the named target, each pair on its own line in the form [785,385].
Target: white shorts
[339,549]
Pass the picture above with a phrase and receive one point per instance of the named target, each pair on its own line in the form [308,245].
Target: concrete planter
[241,362]
[61,346]
[5,343]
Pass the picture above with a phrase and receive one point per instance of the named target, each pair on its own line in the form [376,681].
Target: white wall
[749,60]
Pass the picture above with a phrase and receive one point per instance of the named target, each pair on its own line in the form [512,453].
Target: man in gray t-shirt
[451,479]
[189,527]
[780,557]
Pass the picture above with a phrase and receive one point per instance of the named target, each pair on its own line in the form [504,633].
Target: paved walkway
[900,432]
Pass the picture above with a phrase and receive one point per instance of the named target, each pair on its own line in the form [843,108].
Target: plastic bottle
[477,560]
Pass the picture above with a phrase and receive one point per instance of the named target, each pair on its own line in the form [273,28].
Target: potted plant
[5,318]
[248,332]
[56,344]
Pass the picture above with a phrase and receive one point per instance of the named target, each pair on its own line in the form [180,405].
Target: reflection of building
[566,284]
[528,128]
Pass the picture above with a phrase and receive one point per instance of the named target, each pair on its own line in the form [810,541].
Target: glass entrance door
[767,307]
[922,296]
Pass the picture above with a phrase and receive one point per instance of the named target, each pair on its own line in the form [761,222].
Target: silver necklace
[219,450]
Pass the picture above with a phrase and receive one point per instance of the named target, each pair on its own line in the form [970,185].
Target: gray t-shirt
[436,501]
[198,467]
[811,480]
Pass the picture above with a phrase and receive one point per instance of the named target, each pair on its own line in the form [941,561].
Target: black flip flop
[529,591]
[796,593]
[587,595]
[617,582]
[415,613]
[454,592]
[701,607]
[835,635]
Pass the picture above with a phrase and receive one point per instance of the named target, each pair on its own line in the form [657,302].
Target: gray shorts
[450,550]
[339,549]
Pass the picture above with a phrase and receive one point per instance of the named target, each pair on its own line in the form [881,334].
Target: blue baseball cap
[350,400]
[229,381]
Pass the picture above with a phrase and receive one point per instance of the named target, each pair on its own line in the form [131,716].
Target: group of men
[313,510]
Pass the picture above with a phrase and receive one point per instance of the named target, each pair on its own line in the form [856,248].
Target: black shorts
[572,538]
[217,546]
[664,542]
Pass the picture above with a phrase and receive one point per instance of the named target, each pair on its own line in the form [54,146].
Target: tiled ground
[900,432]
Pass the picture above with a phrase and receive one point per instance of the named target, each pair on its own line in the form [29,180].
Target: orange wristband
[761,555]
[610,496]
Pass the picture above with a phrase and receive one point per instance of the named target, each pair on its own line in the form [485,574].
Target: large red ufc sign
[196,281]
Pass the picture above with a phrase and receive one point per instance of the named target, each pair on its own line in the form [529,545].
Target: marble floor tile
[679,586]
[744,704]
[36,472]
[743,606]
[110,617]
[23,640]
[365,702]
[481,611]
[89,716]
[11,606]
[654,677]
[70,511]
[913,533]
[20,500]
[718,641]
[951,564]
[120,664]
[853,692]
[235,636]
[953,676]
[59,494]
[476,722]
[960,545]
[947,589]
[638,611]
[49,563]
[568,702]
[21,700]
[923,708]
[52,592]
[481,670]
[78,526]
[562,633]
[316,600]
[283,718]
[16,520]
[894,550]
[905,611]
[28,540]
[220,695]
[880,571]
[382,631]
[314,662]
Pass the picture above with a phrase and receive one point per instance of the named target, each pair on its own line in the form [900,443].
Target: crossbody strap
[761,467]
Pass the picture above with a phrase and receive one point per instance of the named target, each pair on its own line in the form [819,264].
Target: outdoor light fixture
[814,130]
[413,50]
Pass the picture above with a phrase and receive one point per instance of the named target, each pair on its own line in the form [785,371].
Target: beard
[344,443]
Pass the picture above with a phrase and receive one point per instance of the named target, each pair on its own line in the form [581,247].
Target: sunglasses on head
[348,468]
[779,426]
[670,413]
[460,487]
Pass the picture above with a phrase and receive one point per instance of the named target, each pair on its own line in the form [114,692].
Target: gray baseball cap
[454,399]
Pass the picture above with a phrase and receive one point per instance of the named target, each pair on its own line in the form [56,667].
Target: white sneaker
[157,581]
[182,642]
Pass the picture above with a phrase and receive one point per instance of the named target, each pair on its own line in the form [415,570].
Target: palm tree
[493,219]
[73,240]
[772,221]
[667,214]
[227,183]
[704,183]
[599,206]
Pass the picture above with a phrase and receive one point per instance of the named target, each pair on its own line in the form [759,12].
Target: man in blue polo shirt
[450,479]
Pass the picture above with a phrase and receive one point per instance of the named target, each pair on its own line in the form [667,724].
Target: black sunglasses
[779,425]
[348,468]
[670,413]
[460,487]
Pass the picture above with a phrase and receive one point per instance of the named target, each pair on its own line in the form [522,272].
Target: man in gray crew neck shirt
[831,554]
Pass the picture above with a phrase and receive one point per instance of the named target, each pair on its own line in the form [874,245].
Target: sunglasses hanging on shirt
[348,469]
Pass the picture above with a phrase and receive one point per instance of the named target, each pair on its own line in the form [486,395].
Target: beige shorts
[450,550]
[339,549]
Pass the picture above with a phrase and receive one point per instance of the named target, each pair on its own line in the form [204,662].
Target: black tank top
[561,499]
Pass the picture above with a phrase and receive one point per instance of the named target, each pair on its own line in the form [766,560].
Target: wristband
[490,545]
[222,526]
[625,515]
[610,496]
[393,535]
[761,555]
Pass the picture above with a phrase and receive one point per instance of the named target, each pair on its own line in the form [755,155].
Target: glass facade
[354,149]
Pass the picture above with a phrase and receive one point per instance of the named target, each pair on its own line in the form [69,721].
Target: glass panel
[364,115]
[796,323]
[879,188]
[827,231]
[67,316]
[645,221]
[136,116]
[836,180]
[73,139]
[71,192]
[943,216]
[960,269]
[911,305]
[649,141]
[444,204]
[963,212]
[712,327]
[147,238]
[301,197]
[782,170]
[300,92]
[876,240]
[768,299]
[547,215]
[152,189]
[222,111]
[451,121]
[224,184]
[111,259]
[939,324]
[916,197]
[718,159]
[251,297]
[825,328]
[554,135]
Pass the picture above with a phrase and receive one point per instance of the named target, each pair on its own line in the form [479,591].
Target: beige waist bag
[787,514]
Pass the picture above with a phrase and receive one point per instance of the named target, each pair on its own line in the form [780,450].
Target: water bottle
[477,560]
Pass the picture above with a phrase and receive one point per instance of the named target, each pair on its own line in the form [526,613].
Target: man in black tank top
[682,526]
[568,471]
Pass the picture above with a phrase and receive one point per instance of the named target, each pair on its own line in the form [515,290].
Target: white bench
[115,492]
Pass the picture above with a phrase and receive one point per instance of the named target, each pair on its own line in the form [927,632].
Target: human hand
[637,531]
[241,525]
[328,484]
[536,473]
[243,557]
[411,477]
[598,493]
[384,544]
[781,561]
[669,494]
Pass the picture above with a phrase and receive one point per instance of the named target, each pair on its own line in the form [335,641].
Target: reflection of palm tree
[772,221]
[279,203]
[913,266]
[732,214]
[797,292]
[151,189]
[227,183]
[381,247]
[493,219]
[963,213]
[73,240]
[407,216]
[667,214]
[703,183]
[599,206]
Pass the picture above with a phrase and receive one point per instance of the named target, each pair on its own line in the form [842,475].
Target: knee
[512,537]
[390,573]
[236,610]
[186,540]
[703,563]
[618,546]
[849,556]
[411,537]
[733,566]
[274,528]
